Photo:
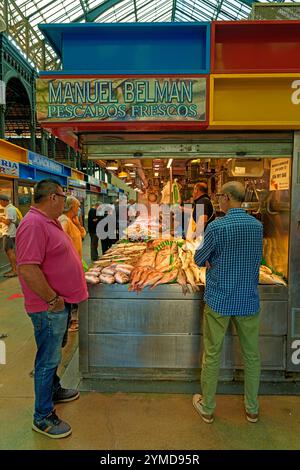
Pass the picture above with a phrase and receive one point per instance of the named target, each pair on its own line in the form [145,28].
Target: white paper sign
[280,174]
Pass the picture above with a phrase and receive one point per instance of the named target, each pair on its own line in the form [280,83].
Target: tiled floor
[127,421]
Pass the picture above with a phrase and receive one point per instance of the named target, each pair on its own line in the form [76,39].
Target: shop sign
[280,174]
[94,181]
[79,193]
[103,187]
[9,168]
[95,189]
[45,163]
[77,183]
[122,99]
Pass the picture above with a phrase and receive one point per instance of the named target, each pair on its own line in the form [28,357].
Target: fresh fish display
[147,259]
[157,262]
[121,278]
[181,279]
[109,270]
[166,278]
[107,279]
[91,279]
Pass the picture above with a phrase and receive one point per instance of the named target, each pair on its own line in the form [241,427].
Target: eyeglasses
[61,195]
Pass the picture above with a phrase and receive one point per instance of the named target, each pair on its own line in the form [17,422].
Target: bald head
[199,189]
[235,190]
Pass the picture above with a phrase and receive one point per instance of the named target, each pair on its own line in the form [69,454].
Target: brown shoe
[251,417]
[197,402]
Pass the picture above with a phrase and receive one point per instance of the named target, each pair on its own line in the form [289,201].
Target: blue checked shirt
[233,247]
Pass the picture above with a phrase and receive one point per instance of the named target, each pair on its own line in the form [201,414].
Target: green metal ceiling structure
[23,16]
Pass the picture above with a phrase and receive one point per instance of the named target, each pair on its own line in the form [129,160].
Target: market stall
[220,105]
[144,315]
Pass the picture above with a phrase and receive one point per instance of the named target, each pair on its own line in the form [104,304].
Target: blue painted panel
[50,166]
[40,175]
[27,172]
[132,48]
[67,170]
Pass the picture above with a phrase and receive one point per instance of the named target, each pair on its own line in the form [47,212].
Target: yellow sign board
[254,101]
[12,152]
[77,175]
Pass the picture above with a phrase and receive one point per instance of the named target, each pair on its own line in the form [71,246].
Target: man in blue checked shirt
[232,252]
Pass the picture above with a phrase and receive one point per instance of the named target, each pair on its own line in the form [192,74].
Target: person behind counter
[51,276]
[71,226]
[132,211]
[201,204]
[93,220]
[200,196]
[232,252]
[103,211]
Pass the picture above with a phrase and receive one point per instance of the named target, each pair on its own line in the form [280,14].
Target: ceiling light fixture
[128,164]
[169,162]
[122,174]
[112,165]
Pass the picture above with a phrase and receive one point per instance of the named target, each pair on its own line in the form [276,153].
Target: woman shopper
[71,226]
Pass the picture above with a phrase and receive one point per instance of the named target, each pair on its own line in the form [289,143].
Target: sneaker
[198,405]
[10,274]
[74,325]
[64,395]
[251,417]
[52,426]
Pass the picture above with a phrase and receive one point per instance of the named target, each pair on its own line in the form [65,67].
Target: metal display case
[157,334]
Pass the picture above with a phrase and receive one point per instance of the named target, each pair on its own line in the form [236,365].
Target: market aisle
[16,382]
[162,422]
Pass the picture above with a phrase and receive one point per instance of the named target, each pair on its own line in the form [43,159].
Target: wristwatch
[53,301]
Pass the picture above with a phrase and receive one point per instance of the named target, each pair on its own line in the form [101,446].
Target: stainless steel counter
[158,334]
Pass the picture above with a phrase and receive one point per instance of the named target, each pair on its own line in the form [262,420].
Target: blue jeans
[49,330]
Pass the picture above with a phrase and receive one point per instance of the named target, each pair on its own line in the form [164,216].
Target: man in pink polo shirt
[52,278]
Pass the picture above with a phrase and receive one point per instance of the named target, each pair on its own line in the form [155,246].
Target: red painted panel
[255,46]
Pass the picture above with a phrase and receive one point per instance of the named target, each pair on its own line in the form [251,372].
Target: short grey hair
[70,201]
[45,187]
[235,190]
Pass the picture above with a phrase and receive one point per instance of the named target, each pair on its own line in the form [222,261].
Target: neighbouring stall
[221,104]
[38,167]
[11,158]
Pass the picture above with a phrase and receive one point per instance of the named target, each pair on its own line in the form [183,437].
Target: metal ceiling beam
[135,11]
[249,3]
[84,8]
[94,13]
[173,11]
[219,7]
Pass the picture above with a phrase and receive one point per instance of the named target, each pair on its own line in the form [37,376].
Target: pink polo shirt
[42,241]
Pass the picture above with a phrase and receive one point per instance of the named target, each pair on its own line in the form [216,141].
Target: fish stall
[143,318]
